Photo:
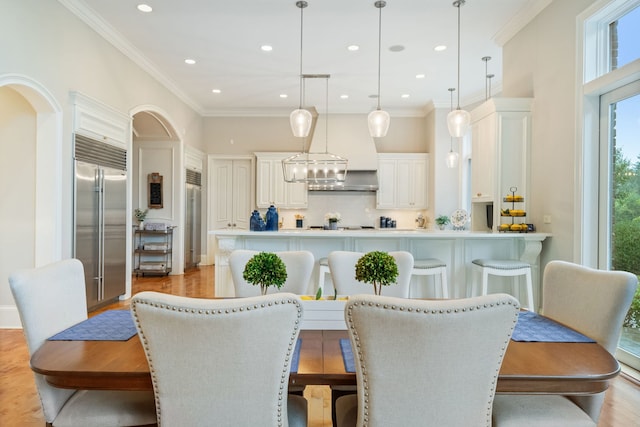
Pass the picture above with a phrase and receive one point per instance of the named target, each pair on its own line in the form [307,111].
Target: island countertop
[380,232]
[456,248]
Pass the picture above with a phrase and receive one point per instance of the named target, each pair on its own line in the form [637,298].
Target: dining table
[567,368]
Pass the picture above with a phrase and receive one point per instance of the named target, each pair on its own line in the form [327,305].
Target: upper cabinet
[402,181]
[272,189]
[500,145]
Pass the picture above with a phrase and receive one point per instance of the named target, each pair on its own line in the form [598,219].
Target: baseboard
[9,317]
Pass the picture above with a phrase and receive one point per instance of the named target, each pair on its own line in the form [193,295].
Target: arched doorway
[157,148]
[30,182]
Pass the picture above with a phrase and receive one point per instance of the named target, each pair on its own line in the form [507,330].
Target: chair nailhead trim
[363,368]
[285,369]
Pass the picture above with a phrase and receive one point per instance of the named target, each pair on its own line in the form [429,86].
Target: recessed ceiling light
[396,48]
[404,95]
[216,91]
[353,47]
[189,61]
[420,76]
[144,8]
[284,95]
[440,48]
[266,48]
[344,96]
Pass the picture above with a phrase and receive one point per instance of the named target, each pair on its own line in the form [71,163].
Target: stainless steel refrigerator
[100,218]
[192,232]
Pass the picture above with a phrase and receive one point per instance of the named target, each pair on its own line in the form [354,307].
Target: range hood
[355,180]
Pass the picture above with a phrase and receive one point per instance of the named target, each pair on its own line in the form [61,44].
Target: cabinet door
[418,184]
[386,196]
[222,194]
[264,185]
[483,152]
[272,189]
[241,193]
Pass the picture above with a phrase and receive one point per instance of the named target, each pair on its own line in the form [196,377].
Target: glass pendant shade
[378,123]
[452,159]
[300,120]
[458,122]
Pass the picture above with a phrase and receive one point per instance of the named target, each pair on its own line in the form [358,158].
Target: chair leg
[443,282]
[529,290]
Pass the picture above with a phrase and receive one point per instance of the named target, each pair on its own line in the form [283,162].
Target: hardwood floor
[20,405]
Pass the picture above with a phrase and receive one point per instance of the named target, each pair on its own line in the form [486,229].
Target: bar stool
[432,267]
[323,269]
[503,267]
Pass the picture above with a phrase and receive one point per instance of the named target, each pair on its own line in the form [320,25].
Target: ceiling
[224,38]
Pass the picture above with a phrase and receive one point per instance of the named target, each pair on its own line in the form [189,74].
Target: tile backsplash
[356,209]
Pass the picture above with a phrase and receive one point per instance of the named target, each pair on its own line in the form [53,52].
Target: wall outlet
[546,219]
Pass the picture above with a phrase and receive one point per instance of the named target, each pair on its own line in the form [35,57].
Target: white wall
[43,43]
[540,62]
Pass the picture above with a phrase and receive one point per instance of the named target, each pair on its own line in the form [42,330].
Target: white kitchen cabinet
[230,192]
[272,189]
[500,145]
[402,181]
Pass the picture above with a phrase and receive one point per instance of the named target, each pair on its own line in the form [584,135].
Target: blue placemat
[535,328]
[347,355]
[296,357]
[112,325]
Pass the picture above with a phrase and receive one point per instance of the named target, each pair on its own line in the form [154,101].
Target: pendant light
[379,119]
[458,120]
[320,170]
[452,156]
[300,119]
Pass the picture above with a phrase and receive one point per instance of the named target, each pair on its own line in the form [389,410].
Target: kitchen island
[456,248]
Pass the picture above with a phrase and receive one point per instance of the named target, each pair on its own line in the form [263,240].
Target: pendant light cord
[301,5]
[379,5]
[326,120]
[458,4]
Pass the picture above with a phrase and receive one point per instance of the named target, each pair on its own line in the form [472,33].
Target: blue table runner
[112,325]
[531,327]
[117,325]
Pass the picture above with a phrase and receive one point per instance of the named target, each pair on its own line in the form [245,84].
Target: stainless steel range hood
[356,180]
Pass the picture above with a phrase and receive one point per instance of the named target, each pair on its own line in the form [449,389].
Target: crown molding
[526,15]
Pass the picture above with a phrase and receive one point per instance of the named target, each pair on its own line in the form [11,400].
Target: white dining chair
[425,362]
[342,265]
[299,265]
[51,299]
[594,303]
[222,362]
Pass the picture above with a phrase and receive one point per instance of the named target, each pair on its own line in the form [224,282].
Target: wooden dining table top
[527,368]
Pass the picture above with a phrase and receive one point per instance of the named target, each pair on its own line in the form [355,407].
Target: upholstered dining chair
[421,362]
[342,265]
[593,302]
[49,300]
[223,362]
[299,266]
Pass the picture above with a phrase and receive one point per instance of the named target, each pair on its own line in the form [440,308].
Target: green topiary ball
[378,268]
[265,269]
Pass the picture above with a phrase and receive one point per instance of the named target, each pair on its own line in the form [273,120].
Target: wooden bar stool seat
[432,267]
[503,267]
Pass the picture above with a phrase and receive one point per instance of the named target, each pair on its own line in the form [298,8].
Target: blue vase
[254,221]
[272,219]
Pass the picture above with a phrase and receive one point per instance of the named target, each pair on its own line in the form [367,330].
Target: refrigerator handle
[100,189]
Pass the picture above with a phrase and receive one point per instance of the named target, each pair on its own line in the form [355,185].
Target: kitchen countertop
[380,232]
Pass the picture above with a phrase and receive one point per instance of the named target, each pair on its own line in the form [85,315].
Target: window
[624,34]
[610,156]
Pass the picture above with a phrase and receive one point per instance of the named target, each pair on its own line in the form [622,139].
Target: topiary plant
[377,268]
[265,269]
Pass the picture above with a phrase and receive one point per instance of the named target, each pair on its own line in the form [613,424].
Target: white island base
[456,248]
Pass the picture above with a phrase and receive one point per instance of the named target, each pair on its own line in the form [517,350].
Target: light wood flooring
[20,406]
